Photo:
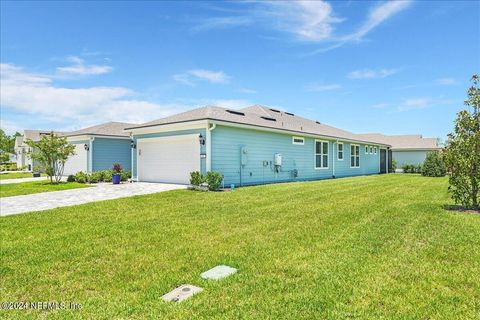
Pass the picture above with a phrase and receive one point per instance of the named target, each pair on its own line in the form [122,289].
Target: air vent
[317,122]
[238,113]
[290,114]
[275,110]
[269,119]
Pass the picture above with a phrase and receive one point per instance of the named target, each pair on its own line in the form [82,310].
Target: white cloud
[191,76]
[371,74]
[308,20]
[422,103]
[247,90]
[223,22]
[323,87]
[446,81]
[78,67]
[32,94]
[378,15]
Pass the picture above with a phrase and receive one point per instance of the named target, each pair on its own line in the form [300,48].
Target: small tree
[433,166]
[51,152]
[462,154]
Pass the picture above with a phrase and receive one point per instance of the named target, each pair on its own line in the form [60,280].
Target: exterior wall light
[201,139]
[86,147]
[133,145]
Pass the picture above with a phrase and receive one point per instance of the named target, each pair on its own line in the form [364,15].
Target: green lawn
[17,175]
[16,189]
[377,247]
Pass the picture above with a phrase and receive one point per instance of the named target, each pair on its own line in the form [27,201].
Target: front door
[383,161]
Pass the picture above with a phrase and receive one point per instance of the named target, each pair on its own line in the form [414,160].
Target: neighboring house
[99,147]
[22,150]
[407,149]
[250,146]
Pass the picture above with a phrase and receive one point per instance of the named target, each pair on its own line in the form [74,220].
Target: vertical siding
[107,151]
[409,157]
[261,146]
[167,134]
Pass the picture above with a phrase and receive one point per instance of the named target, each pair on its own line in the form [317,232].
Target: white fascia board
[198,124]
[174,137]
[78,138]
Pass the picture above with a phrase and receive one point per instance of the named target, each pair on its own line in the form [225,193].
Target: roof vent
[317,122]
[275,110]
[290,114]
[238,113]
[268,118]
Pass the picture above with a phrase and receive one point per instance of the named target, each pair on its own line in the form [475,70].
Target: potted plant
[116,176]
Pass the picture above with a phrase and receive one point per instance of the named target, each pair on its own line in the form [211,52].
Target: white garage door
[77,162]
[168,159]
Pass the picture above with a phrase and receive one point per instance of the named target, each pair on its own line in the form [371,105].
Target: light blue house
[99,147]
[254,145]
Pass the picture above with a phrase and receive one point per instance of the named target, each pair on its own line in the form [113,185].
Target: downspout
[334,157]
[131,155]
[209,145]
[90,155]
[387,169]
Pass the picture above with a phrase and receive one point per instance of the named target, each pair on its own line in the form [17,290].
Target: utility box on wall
[243,156]
[278,159]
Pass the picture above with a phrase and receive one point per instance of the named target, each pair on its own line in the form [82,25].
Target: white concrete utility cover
[218,272]
[181,293]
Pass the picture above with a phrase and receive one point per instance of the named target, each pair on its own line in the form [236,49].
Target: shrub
[434,165]
[107,175]
[394,165]
[196,178]
[214,180]
[408,168]
[95,177]
[81,177]
[71,178]
[125,175]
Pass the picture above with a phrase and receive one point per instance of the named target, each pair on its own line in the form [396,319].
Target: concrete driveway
[99,192]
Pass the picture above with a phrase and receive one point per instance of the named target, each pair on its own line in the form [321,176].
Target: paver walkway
[56,199]
[20,180]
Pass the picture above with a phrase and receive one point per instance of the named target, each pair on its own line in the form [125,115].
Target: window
[355,156]
[298,140]
[371,150]
[375,150]
[340,151]
[321,154]
[366,149]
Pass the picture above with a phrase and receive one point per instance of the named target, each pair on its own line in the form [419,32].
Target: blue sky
[392,67]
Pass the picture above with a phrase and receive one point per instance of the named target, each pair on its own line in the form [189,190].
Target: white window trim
[366,149]
[343,151]
[298,143]
[321,154]
[371,149]
[354,145]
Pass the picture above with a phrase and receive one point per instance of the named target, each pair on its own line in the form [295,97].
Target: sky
[395,67]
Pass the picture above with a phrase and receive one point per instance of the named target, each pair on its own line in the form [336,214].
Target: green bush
[214,180]
[81,177]
[125,175]
[394,165]
[196,178]
[107,175]
[434,166]
[95,177]
[411,168]
[71,178]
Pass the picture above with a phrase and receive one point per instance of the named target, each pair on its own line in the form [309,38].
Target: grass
[16,189]
[377,247]
[17,175]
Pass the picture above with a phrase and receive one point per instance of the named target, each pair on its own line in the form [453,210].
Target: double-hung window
[340,151]
[354,156]
[321,154]
[366,149]
[371,150]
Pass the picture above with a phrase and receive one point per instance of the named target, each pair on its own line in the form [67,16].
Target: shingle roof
[260,116]
[34,135]
[104,129]
[403,142]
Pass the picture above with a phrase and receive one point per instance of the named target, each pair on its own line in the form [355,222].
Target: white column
[208,147]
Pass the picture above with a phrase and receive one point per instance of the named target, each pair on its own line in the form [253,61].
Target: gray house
[22,150]
[407,149]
